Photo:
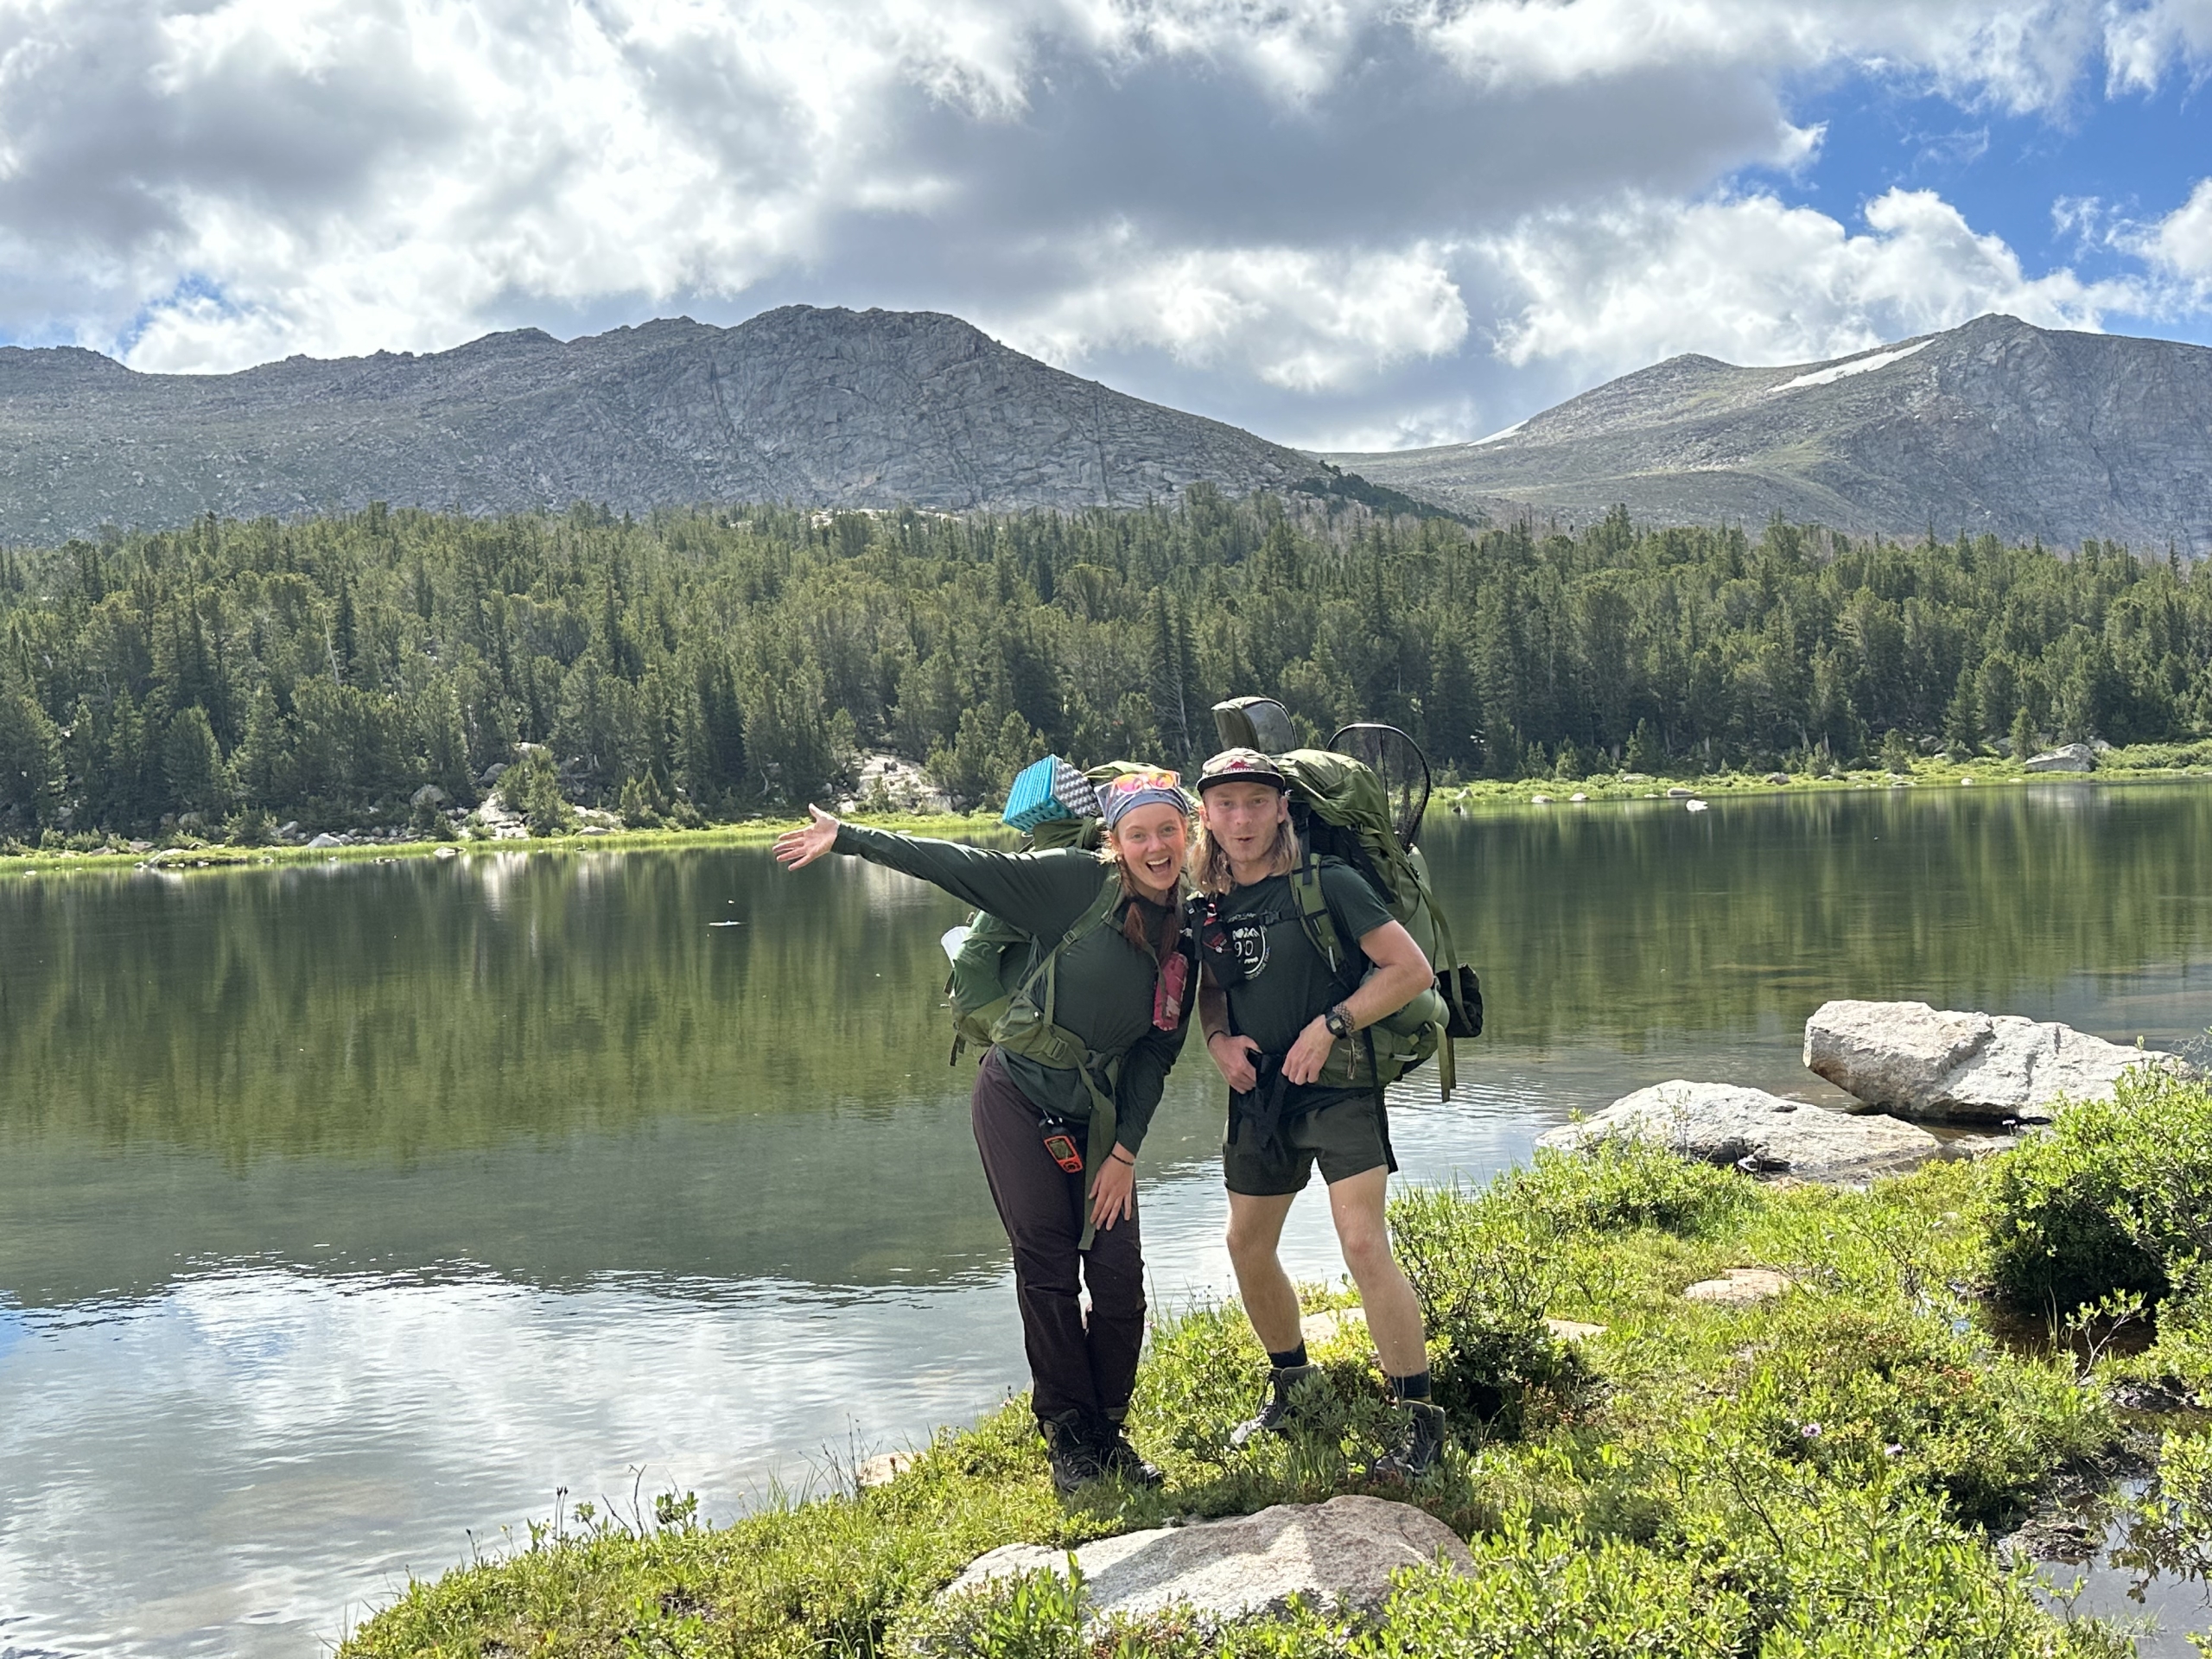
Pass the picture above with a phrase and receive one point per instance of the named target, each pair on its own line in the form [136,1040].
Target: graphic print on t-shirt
[1247,942]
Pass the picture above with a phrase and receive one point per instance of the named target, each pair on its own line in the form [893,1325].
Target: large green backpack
[1342,808]
[994,1002]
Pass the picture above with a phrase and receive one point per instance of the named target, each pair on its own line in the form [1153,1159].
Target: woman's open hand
[797,848]
[1113,1194]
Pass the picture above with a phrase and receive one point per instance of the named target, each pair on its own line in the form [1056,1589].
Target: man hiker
[1283,1027]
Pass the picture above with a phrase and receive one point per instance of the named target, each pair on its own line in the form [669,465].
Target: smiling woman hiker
[1280,1021]
[1109,962]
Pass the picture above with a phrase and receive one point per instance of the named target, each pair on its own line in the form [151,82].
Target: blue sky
[2135,156]
[1346,224]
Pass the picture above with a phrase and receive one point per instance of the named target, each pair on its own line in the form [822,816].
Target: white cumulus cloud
[1752,280]
[1313,216]
[1303,320]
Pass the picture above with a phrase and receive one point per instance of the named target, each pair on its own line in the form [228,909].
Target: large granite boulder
[2074,757]
[1249,1564]
[1761,1133]
[1919,1062]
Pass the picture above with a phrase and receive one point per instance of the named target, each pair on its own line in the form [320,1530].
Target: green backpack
[996,1004]
[1342,808]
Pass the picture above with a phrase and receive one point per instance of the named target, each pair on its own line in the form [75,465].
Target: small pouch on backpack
[1168,990]
[1216,948]
[1464,995]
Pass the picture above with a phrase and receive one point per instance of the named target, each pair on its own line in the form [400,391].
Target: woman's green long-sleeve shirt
[1106,983]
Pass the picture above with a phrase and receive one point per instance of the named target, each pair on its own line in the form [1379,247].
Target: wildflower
[1893,1450]
[1810,1431]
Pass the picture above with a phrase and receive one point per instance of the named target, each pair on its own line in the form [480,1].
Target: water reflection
[345,1210]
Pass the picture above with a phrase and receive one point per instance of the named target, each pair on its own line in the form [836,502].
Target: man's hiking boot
[1423,1445]
[1123,1461]
[1291,1393]
[1071,1452]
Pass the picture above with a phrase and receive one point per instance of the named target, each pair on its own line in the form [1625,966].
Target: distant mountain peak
[1997,425]
[822,406]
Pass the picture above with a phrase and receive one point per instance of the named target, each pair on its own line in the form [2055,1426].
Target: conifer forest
[707,664]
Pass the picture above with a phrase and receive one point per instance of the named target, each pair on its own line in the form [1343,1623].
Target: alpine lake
[354,1216]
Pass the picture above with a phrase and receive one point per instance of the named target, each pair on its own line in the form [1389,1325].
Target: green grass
[187,856]
[1819,1474]
[2143,763]
[2140,763]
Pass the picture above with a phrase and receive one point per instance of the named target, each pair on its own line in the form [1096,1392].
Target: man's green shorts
[1346,1134]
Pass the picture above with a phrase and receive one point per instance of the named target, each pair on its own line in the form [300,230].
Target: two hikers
[1283,1025]
[1109,1028]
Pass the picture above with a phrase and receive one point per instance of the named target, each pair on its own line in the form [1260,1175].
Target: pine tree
[192,764]
[1962,720]
[31,773]
[1644,753]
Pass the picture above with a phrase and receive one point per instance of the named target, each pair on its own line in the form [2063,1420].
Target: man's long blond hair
[1209,858]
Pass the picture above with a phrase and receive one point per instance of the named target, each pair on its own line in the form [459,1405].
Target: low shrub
[2115,1198]
[1620,1183]
[1486,1271]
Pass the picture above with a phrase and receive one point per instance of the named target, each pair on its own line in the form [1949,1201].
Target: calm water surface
[348,1212]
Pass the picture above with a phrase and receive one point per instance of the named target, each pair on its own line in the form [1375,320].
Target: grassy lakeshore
[1826,1472]
[2141,764]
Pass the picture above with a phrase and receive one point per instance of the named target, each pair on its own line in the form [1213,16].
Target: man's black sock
[1290,1359]
[1415,1387]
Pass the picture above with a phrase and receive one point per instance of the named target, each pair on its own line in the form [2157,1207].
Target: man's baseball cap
[1241,766]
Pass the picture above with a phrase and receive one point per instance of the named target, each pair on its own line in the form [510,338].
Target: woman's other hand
[797,848]
[1113,1195]
[1232,1057]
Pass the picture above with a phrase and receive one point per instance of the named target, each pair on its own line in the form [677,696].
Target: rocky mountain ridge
[1995,426]
[820,407]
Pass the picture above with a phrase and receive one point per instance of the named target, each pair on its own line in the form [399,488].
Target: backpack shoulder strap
[1313,916]
[1094,916]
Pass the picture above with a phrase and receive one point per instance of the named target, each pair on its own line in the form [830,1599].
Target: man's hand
[1309,1053]
[797,848]
[1232,1057]
[1113,1195]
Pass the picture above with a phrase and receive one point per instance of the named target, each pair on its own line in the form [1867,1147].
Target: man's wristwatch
[1338,1021]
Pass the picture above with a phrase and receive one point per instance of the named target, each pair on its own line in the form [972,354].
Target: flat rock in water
[1919,1062]
[1249,1564]
[1761,1133]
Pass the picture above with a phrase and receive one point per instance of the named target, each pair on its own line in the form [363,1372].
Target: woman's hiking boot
[1120,1459]
[1422,1447]
[1293,1391]
[1072,1449]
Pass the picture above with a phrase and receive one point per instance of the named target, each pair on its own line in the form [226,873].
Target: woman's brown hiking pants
[1076,1366]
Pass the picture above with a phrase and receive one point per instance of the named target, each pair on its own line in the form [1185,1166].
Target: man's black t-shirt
[1287,982]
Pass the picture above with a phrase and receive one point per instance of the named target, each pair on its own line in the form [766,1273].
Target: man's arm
[1232,1055]
[1402,973]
